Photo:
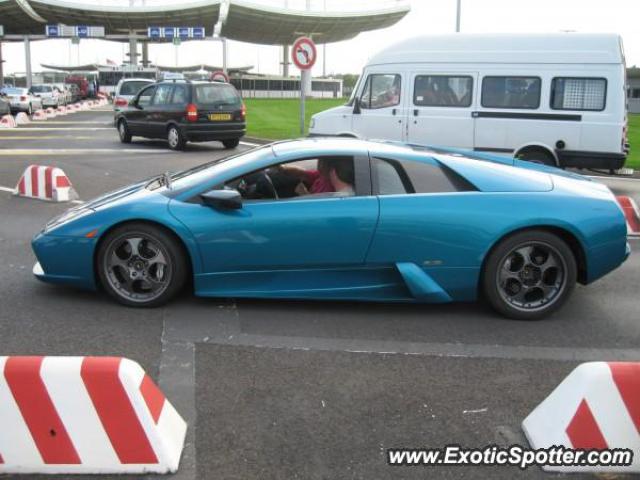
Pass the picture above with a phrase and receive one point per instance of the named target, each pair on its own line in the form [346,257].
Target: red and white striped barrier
[85,415]
[631,213]
[51,113]
[22,119]
[61,110]
[596,407]
[7,121]
[45,183]
[39,115]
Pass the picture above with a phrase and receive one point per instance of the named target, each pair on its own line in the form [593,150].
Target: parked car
[22,100]
[74,91]
[558,99]
[65,93]
[184,111]
[386,223]
[126,90]
[5,105]
[49,95]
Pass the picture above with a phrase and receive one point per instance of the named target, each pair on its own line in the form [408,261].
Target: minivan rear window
[216,94]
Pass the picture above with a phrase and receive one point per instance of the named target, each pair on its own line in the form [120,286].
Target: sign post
[304,55]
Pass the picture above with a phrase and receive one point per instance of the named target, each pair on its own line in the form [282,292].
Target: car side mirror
[356,106]
[222,199]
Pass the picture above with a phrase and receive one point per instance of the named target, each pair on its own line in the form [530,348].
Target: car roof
[345,145]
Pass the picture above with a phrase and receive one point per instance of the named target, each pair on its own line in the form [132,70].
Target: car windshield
[132,88]
[40,88]
[216,95]
[206,172]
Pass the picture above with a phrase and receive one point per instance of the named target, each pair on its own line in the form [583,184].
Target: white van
[554,98]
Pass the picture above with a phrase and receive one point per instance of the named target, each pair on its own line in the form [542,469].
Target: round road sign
[219,76]
[304,53]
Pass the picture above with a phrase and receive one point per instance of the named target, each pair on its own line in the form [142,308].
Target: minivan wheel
[141,265]
[232,143]
[123,131]
[175,138]
[529,275]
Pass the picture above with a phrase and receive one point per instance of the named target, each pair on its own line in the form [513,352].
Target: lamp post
[458,9]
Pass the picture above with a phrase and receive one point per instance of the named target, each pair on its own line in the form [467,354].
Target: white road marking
[7,189]
[602,177]
[46,137]
[11,190]
[56,129]
[249,144]
[77,151]
[63,122]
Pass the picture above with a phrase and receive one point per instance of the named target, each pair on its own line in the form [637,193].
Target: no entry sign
[304,53]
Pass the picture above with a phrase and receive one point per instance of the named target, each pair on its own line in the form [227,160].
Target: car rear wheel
[141,265]
[175,138]
[123,132]
[232,143]
[529,275]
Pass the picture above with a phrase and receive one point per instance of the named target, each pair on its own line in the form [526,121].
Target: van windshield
[217,95]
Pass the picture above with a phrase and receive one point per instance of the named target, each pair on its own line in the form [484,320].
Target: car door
[305,246]
[380,113]
[158,111]
[440,111]
[136,116]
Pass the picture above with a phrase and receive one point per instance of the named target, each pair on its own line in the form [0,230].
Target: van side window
[442,91]
[395,177]
[511,92]
[381,91]
[570,93]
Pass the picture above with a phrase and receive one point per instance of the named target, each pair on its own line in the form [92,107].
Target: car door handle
[393,111]
[415,112]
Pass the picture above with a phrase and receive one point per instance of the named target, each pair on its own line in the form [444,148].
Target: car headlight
[66,217]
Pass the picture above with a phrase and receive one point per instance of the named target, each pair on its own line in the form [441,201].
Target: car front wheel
[175,138]
[141,265]
[529,275]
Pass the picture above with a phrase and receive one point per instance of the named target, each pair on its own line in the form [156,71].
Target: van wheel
[123,131]
[233,143]
[175,138]
[538,155]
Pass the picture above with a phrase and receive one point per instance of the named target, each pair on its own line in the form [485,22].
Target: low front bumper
[64,260]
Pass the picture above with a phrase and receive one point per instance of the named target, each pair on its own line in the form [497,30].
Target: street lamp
[458,15]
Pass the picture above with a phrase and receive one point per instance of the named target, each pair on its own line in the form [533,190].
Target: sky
[426,17]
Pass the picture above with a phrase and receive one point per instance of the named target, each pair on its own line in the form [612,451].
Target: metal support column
[145,54]
[27,59]
[1,69]
[458,13]
[285,60]
[133,50]
[224,54]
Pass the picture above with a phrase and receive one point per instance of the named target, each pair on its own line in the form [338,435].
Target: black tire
[123,132]
[175,138]
[174,259]
[504,296]
[232,143]
[538,155]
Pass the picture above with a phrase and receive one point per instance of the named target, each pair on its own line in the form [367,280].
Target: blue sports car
[344,219]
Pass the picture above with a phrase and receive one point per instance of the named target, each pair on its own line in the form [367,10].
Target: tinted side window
[394,177]
[442,91]
[511,92]
[578,93]
[381,91]
[145,96]
[163,95]
[179,95]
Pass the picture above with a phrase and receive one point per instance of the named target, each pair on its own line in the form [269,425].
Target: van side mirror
[356,106]
[222,199]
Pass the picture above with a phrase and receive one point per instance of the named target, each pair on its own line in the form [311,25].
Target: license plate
[219,117]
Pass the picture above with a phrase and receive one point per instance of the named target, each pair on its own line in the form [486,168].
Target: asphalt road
[284,389]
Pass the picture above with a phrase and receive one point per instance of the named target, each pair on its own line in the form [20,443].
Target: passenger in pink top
[311,181]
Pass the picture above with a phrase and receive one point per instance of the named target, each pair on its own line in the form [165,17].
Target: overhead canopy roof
[243,21]
[93,67]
